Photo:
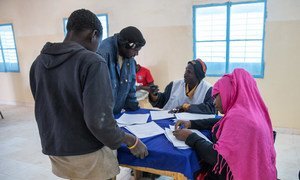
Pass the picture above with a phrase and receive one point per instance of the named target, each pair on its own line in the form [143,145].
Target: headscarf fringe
[221,163]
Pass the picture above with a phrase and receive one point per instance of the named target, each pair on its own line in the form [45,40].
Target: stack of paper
[177,143]
[192,116]
[157,115]
[129,119]
[145,130]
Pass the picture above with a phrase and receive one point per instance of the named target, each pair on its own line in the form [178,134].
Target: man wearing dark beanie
[191,94]
[119,52]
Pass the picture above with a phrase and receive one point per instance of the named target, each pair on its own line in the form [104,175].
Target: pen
[179,127]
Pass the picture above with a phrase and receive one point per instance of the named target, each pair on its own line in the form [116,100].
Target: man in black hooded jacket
[73,104]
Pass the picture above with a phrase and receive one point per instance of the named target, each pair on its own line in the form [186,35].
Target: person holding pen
[242,140]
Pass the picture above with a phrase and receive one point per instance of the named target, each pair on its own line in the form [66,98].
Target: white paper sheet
[145,130]
[177,143]
[129,119]
[157,115]
[141,94]
[194,130]
[121,125]
[193,116]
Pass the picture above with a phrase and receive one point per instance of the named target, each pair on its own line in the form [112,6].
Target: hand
[181,123]
[138,88]
[153,90]
[140,150]
[178,109]
[182,134]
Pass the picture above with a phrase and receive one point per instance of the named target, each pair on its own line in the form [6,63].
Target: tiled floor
[21,157]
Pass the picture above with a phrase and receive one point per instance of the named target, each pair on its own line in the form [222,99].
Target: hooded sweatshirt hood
[56,54]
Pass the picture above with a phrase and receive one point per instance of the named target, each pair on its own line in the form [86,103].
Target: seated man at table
[191,94]
[144,81]
[144,78]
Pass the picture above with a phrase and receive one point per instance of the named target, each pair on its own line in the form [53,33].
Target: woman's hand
[180,124]
[182,134]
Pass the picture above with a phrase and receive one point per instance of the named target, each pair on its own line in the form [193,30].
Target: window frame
[2,52]
[103,14]
[227,40]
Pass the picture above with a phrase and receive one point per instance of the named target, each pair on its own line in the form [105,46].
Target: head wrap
[245,133]
[131,37]
[199,68]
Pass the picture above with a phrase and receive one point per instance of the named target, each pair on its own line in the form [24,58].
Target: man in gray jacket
[73,104]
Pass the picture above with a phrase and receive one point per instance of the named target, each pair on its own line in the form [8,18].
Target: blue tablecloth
[162,154]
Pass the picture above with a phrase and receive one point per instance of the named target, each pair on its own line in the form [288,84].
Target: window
[103,19]
[230,35]
[8,50]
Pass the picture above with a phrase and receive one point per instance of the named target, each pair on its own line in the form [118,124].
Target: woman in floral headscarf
[190,94]
[242,146]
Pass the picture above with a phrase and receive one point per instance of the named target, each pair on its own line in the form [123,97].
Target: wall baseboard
[16,103]
[287,131]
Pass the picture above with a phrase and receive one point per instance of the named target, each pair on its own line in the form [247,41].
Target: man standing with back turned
[73,104]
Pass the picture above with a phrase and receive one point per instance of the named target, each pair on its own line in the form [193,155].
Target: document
[129,119]
[177,143]
[193,116]
[194,130]
[121,125]
[145,130]
[157,115]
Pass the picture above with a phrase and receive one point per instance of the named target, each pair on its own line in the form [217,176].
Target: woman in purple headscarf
[242,144]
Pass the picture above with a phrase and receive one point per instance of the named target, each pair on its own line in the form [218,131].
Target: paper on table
[156,115]
[129,119]
[194,130]
[121,125]
[192,116]
[177,143]
[145,130]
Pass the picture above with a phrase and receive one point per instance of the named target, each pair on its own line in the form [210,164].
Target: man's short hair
[83,19]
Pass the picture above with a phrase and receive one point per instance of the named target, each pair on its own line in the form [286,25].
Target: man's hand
[178,109]
[140,150]
[180,124]
[136,146]
[153,90]
[182,134]
[138,88]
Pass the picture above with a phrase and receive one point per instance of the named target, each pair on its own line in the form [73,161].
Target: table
[163,157]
